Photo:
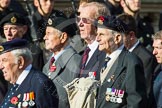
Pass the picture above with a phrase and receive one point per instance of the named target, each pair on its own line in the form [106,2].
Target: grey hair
[100,9]
[25,53]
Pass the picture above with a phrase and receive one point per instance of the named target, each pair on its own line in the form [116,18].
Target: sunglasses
[84,20]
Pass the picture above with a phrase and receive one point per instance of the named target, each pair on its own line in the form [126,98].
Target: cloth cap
[12,45]
[14,19]
[111,22]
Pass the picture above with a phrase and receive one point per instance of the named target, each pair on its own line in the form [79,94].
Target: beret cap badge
[50,21]
[13,19]
[1,48]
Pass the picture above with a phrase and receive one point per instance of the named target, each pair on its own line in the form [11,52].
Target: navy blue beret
[12,45]
[13,18]
[63,24]
[111,22]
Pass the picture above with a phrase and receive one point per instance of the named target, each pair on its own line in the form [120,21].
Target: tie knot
[52,61]
[87,50]
[107,59]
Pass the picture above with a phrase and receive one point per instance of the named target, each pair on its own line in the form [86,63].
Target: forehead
[6,55]
[10,25]
[87,12]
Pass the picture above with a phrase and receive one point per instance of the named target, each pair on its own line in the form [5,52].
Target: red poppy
[14,100]
[101,18]
[52,68]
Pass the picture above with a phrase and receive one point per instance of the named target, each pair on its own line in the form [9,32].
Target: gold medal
[107,98]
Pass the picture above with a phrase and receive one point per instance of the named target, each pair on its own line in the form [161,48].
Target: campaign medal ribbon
[31,102]
[25,99]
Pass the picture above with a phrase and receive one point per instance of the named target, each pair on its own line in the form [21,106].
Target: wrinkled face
[157,45]
[44,6]
[9,66]
[52,39]
[105,40]
[134,5]
[13,31]
[4,3]
[86,23]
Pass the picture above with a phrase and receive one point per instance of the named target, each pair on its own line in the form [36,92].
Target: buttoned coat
[128,75]
[44,90]
[67,68]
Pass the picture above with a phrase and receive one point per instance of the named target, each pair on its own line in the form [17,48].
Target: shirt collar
[134,46]
[60,53]
[116,52]
[24,74]
[93,46]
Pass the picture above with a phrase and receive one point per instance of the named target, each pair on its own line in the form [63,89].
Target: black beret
[63,24]
[111,22]
[12,45]
[13,18]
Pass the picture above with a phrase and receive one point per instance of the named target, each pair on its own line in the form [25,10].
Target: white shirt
[93,48]
[24,74]
[134,46]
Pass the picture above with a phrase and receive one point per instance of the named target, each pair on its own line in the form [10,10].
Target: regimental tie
[9,95]
[105,63]
[52,66]
[84,59]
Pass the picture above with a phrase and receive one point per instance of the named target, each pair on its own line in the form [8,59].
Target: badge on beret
[1,48]
[50,21]
[100,22]
[13,20]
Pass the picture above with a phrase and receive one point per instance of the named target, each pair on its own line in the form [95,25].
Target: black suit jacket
[128,76]
[43,88]
[149,63]
[94,64]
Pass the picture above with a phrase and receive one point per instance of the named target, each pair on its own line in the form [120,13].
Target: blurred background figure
[144,27]
[132,43]
[114,6]
[157,79]
[15,26]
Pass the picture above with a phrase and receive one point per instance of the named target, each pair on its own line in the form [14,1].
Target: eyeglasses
[84,20]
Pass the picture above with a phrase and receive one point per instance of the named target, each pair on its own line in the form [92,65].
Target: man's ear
[36,3]
[21,62]
[63,37]
[118,38]
[122,3]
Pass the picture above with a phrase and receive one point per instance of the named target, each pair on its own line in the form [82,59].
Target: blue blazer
[44,90]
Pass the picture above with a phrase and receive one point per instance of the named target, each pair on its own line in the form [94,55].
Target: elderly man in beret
[122,75]
[15,26]
[64,63]
[30,87]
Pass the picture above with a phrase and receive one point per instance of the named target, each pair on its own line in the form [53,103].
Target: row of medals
[114,95]
[27,101]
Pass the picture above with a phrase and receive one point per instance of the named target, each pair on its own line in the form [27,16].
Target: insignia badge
[13,20]
[92,75]
[100,22]
[50,21]
[1,48]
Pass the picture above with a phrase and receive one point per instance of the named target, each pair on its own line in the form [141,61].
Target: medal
[107,98]
[119,100]
[31,102]
[25,104]
[108,91]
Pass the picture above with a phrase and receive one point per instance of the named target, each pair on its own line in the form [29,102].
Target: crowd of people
[105,55]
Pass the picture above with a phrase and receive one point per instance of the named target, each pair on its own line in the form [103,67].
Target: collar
[60,53]
[24,74]
[116,52]
[134,46]
[93,46]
